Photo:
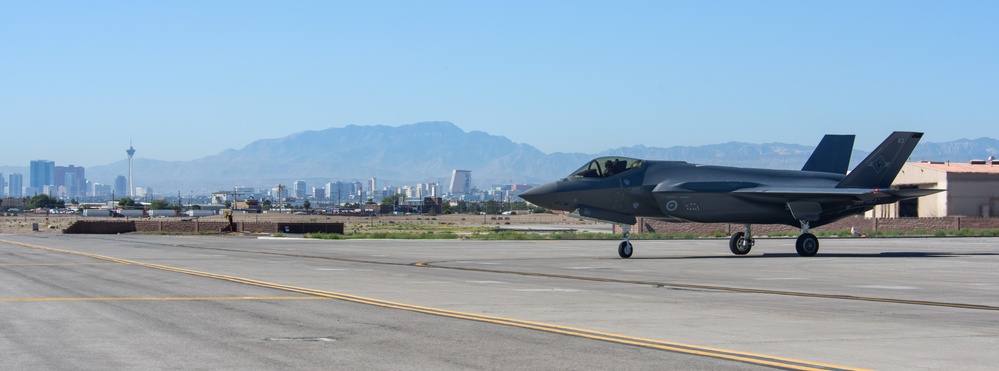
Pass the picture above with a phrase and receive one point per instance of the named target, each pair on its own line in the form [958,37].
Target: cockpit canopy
[606,166]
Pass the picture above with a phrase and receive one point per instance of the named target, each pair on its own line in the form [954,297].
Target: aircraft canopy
[607,166]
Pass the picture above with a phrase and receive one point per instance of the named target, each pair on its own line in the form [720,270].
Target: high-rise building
[299,189]
[372,185]
[15,183]
[42,174]
[131,152]
[341,192]
[100,190]
[461,182]
[318,193]
[121,186]
[73,178]
[3,186]
[143,192]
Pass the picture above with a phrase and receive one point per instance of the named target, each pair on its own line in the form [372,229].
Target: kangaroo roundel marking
[671,206]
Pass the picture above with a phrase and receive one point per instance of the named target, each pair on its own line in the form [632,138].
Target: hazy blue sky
[187,79]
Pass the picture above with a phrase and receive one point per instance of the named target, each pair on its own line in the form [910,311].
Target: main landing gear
[807,244]
[741,242]
[624,248]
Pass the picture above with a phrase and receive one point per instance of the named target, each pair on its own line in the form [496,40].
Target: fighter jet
[619,189]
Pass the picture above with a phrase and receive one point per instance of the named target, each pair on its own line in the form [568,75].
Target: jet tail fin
[832,155]
[879,169]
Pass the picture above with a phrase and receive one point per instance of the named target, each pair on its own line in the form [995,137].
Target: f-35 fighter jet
[618,189]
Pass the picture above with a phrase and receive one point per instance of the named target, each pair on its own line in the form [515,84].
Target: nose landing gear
[624,248]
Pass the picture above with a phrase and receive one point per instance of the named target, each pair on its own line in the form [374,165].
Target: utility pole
[234,194]
[280,188]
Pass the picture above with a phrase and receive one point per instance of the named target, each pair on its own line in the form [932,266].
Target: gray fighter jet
[618,189]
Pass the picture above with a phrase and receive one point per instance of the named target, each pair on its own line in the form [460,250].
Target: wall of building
[194,226]
[971,194]
[932,206]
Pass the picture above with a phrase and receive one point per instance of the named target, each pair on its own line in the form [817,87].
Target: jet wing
[750,188]
[755,190]
[862,193]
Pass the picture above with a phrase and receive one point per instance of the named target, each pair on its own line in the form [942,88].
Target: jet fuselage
[678,191]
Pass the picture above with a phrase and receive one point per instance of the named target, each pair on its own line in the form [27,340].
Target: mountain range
[429,151]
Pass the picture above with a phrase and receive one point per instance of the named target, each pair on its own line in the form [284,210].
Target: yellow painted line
[635,282]
[217,298]
[753,358]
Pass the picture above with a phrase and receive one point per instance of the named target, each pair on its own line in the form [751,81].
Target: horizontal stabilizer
[795,195]
[832,155]
[911,193]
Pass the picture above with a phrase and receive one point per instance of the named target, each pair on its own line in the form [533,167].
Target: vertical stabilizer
[832,154]
[879,169]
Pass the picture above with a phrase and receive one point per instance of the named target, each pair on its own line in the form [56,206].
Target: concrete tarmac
[206,302]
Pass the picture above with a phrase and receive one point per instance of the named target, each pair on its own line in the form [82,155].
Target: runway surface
[205,302]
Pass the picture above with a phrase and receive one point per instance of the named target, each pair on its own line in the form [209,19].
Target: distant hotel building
[461,182]
[143,192]
[299,190]
[15,184]
[100,190]
[72,179]
[120,186]
[42,174]
[318,193]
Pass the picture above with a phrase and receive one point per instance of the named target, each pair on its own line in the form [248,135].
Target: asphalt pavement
[208,302]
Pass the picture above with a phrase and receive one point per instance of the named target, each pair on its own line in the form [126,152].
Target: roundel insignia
[671,206]
[635,205]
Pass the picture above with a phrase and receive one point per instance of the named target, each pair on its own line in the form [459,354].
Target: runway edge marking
[745,357]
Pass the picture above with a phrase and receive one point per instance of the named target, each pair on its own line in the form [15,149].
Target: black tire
[807,244]
[624,249]
[739,244]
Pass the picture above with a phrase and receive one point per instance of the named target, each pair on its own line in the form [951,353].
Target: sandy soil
[55,223]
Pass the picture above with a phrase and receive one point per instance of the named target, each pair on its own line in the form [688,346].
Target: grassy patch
[941,233]
[430,235]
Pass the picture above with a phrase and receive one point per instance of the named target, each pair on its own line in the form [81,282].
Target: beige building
[970,189]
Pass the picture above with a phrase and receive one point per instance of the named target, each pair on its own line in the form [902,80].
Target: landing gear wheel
[807,244]
[739,244]
[624,249]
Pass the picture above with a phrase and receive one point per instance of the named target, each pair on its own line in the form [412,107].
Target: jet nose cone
[542,195]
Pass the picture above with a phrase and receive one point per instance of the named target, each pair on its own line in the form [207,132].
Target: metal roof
[960,167]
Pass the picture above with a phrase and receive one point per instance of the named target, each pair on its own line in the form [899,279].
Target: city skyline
[594,75]
[70,182]
[367,153]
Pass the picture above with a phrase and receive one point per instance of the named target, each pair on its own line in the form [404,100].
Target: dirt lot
[55,223]
[23,222]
